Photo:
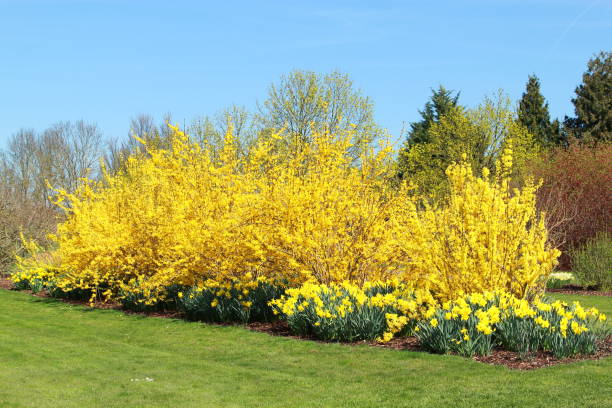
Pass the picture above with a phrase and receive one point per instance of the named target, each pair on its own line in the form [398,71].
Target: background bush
[575,194]
[17,217]
[593,262]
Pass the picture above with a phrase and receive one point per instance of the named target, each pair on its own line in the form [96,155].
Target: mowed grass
[603,303]
[54,354]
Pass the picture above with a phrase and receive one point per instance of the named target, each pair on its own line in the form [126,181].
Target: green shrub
[593,262]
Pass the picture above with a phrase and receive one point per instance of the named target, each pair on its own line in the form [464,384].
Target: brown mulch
[5,283]
[541,359]
[509,359]
[579,290]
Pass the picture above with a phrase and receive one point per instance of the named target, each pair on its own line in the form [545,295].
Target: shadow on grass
[59,303]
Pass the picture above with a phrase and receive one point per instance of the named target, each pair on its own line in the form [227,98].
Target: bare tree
[66,153]
[20,163]
[143,126]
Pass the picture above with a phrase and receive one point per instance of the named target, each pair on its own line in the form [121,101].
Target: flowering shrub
[346,312]
[475,323]
[188,214]
[486,237]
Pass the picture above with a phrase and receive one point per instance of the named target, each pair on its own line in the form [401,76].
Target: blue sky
[105,61]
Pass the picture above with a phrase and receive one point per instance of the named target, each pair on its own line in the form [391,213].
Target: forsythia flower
[189,212]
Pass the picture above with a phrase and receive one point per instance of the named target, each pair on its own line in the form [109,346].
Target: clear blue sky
[105,61]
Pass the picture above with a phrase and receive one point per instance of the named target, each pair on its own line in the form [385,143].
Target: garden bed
[579,290]
[5,283]
[506,358]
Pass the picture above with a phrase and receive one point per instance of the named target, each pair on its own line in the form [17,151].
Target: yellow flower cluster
[191,214]
[477,305]
[395,324]
[489,308]
[486,237]
[472,324]
[234,289]
[375,310]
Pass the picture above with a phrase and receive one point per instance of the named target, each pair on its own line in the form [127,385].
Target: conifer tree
[533,113]
[441,103]
[593,101]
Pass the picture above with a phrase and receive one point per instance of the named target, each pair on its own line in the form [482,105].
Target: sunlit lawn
[54,354]
[603,303]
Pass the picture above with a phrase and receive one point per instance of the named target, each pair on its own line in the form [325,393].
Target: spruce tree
[533,113]
[441,103]
[593,101]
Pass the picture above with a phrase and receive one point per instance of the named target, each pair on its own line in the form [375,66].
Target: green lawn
[603,303]
[53,354]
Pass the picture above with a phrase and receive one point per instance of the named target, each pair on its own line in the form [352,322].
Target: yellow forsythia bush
[488,236]
[189,214]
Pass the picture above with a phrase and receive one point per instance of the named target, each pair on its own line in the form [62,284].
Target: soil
[542,358]
[5,283]
[506,358]
[579,290]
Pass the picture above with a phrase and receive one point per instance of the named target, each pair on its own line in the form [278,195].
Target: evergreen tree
[533,113]
[477,136]
[441,103]
[593,101]
[558,136]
